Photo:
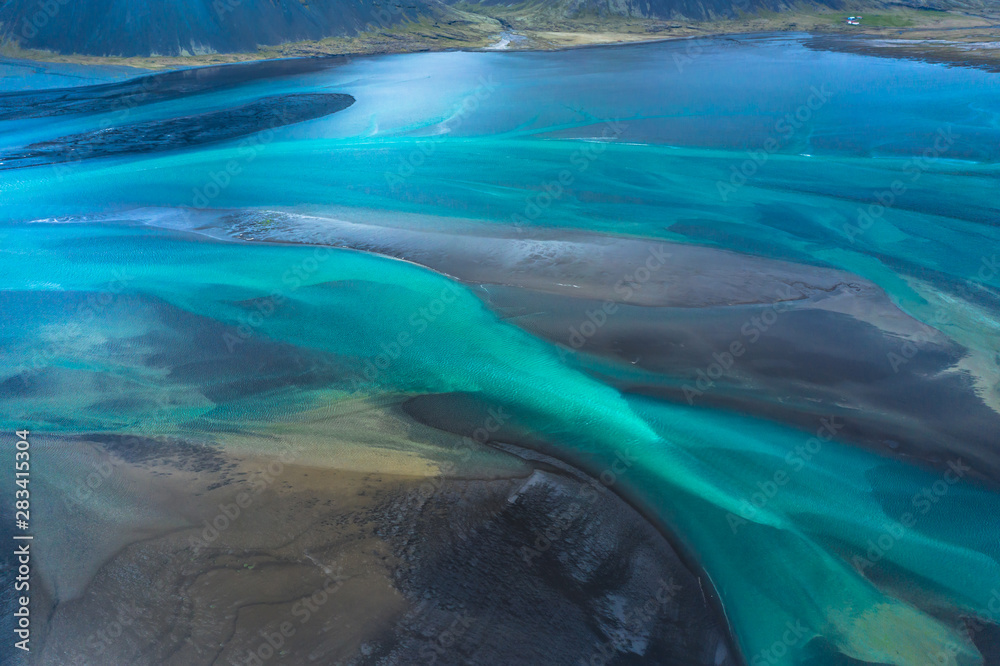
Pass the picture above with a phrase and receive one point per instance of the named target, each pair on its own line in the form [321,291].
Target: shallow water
[31,75]
[814,480]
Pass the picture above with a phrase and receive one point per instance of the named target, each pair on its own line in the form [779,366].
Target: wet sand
[265,114]
[974,47]
[664,319]
[300,563]
[117,97]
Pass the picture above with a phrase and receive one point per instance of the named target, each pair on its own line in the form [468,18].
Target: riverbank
[956,37]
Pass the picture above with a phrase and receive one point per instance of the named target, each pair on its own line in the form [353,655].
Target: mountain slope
[193,27]
[179,27]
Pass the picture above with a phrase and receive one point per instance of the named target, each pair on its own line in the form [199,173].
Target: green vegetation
[469,25]
[887,21]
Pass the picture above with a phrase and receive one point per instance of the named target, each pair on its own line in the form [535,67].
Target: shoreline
[953,38]
[926,51]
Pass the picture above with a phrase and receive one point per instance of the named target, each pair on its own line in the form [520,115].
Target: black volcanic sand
[359,568]
[816,341]
[936,50]
[808,364]
[117,98]
[181,133]
[566,262]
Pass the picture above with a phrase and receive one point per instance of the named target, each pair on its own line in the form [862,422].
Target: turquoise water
[31,75]
[126,320]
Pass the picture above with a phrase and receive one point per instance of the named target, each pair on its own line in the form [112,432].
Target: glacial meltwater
[750,286]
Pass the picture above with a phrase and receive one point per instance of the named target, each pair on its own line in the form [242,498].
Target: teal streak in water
[124,325]
[792,560]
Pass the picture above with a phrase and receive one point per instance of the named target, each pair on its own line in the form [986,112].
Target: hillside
[181,27]
[271,28]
